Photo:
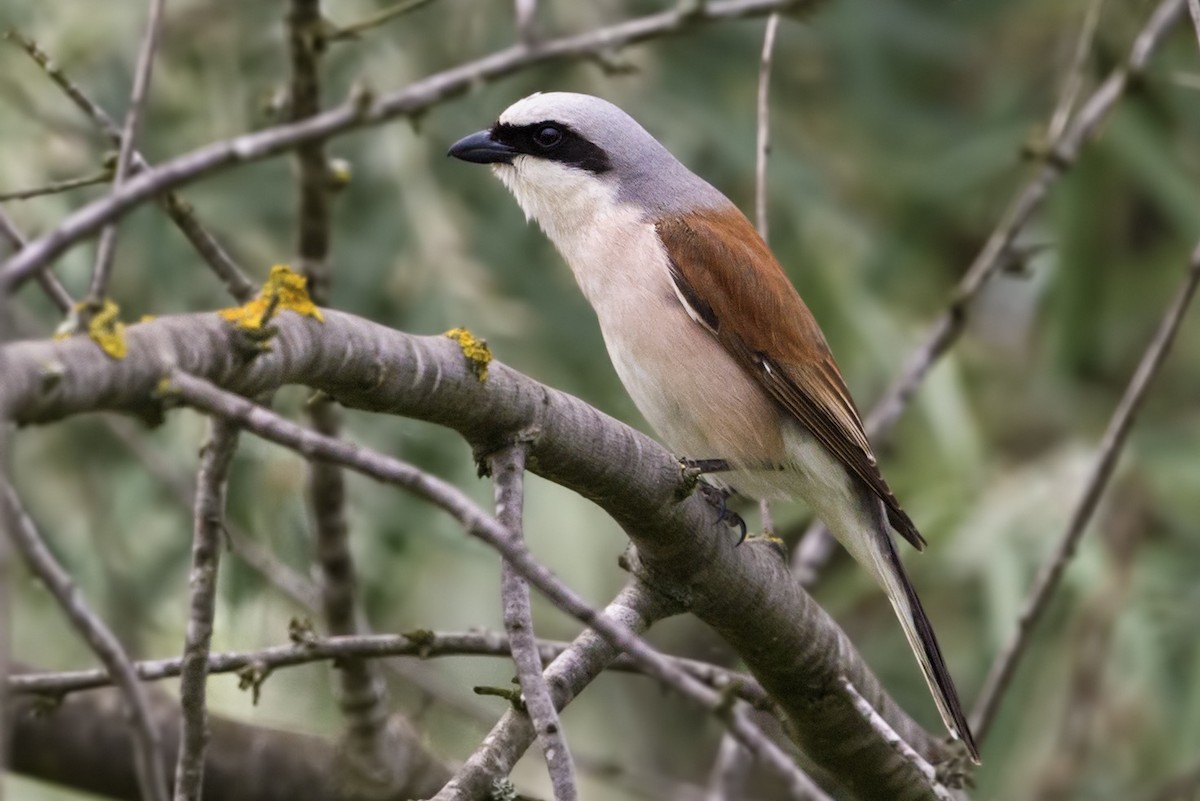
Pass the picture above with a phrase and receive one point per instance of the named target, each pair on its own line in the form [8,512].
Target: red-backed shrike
[711,340]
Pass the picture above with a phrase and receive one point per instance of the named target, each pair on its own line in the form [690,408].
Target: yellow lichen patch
[104,327]
[476,350]
[284,289]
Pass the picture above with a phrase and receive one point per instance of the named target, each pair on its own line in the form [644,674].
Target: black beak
[481,148]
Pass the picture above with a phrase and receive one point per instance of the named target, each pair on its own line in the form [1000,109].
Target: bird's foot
[717,498]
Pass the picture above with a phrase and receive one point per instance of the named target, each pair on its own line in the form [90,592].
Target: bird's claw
[717,498]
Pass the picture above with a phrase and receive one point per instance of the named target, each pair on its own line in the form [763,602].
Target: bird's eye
[548,137]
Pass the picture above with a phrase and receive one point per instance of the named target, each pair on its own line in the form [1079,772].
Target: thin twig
[58,186]
[176,208]
[762,145]
[361,110]
[998,250]
[1074,81]
[208,525]
[205,396]
[133,117]
[1194,9]
[152,779]
[48,281]
[731,769]
[636,608]
[508,471]
[1115,435]
[353,30]
[421,643]
[897,742]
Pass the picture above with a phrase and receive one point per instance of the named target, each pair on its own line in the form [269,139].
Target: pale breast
[698,399]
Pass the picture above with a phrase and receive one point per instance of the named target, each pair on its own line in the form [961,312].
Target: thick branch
[793,648]
[84,743]
[202,395]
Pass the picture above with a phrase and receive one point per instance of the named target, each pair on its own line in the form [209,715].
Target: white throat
[593,230]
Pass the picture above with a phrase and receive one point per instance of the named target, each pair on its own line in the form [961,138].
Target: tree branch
[1115,435]
[208,525]
[152,779]
[508,469]
[1060,155]
[133,117]
[421,643]
[746,594]
[636,608]
[203,395]
[176,208]
[84,743]
[48,281]
[362,110]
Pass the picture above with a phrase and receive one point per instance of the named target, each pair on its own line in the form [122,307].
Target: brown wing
[788,355]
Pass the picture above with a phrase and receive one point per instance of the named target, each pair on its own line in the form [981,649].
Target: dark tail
[919,632]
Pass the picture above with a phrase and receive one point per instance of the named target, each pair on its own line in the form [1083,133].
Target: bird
[709,337]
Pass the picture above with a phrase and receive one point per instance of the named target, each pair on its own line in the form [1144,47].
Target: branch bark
[791,646]
[84,743]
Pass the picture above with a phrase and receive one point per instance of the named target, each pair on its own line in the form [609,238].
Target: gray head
[550,146]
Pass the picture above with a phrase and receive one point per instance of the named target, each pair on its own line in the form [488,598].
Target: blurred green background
[898,130]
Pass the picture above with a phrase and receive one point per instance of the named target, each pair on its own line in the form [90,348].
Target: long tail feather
[919,632]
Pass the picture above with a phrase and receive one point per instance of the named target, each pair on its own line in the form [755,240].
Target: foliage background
[898,131]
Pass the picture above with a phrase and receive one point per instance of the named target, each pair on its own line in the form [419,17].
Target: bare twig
[1074,80]
[762,147]
[152,779]
[48,281]
[209,523]
[1194,10]
[133,117]
[58,186]
[422,643]
[360,111]
[177,209]
[203,395]
[1060,155]
[1087,693]
[636,608]
[791,646]
[508,469]
[354,30]
[896,741]
[727,781]
[1047,580]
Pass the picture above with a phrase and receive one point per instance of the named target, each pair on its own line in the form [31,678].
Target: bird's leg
[718,497]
